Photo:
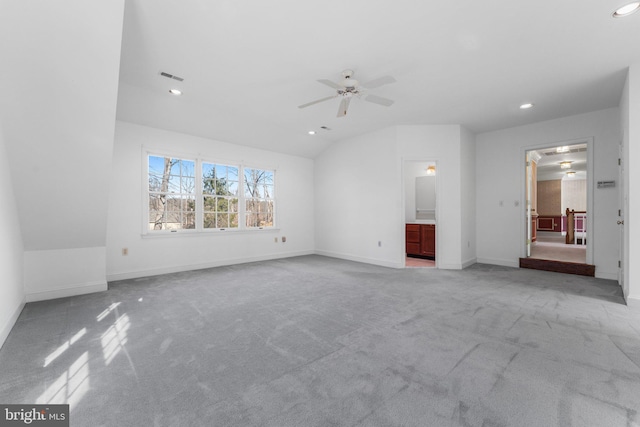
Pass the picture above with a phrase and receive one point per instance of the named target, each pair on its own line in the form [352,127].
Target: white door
[621,204]
[529,191]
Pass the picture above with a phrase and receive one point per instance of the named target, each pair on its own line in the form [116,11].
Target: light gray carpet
[314,341]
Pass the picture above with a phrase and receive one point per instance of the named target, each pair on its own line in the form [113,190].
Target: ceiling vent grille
[171,76]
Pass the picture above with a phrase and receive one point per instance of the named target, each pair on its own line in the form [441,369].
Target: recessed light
[526,106]
[175,92]
[571,173]
[627,9]
[565,165]
[312,132]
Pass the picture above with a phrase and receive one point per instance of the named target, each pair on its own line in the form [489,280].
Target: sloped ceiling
[248,65]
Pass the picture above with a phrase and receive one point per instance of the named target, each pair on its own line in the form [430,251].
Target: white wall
[468,196]
[441,143]
[358,200]
[359,194]
[11,281]
[630,120]
[58,111]
[500,177]
[168,253]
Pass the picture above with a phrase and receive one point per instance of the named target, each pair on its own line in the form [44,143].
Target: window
[258,197]
[172,199]
[220,195]
[225,197]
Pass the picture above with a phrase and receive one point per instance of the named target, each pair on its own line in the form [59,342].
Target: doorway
[558,217]
[420,207]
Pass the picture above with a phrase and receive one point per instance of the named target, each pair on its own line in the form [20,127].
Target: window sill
[203,233]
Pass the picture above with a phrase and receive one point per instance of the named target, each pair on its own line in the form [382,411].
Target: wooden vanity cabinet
[421,240]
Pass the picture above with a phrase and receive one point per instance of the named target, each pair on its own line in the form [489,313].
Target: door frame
[590,187]
[424,160]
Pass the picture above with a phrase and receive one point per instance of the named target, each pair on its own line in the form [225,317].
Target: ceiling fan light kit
[350,87]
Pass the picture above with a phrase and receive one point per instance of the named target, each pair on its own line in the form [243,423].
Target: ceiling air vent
[171,76]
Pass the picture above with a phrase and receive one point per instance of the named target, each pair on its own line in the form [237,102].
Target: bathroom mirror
[426,198]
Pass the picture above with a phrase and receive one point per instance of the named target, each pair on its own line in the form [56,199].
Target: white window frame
[199,196]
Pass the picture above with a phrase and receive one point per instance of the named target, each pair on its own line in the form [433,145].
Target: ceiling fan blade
[344,105]
[317,101]
[378,82]
[378,100]
[331,84]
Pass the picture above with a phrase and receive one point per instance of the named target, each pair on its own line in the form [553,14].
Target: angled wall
[58,114]
[11,280]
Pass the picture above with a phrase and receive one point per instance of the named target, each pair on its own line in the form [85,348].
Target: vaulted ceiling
[247,66]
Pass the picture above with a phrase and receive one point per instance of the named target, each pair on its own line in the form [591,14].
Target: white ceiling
[247,65]
[548,167]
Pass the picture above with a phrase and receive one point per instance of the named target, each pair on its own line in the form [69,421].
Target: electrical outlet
[275,240]
[379,243]
[284,239]
[125,251]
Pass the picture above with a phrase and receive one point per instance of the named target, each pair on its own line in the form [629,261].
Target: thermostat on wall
[606,184]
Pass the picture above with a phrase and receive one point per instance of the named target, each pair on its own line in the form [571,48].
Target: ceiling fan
[350,87]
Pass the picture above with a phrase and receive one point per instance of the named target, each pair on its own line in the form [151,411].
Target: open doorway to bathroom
[420,179]
[557,209]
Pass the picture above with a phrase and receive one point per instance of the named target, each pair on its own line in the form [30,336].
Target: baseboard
[382,263]
[6,328]
[606,275]
[469,263]
[81,289]
[633,303]
[447,266]
[189,267]
[496,261]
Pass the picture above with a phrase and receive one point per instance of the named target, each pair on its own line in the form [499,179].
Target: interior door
[529,191]
[621,202]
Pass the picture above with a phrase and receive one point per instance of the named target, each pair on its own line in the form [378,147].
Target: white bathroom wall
[151,255]
[500,186]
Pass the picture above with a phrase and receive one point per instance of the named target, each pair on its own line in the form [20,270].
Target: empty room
[319,213]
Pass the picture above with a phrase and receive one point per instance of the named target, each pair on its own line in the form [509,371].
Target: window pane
[267,177]
[175,166]
[156,202]
[267,191]
[189,220]
[188,185]
[209,186]
[188,168]
[222,205]
[174,184]
[156,220]
[232,173]
[223,220]
[233,205]
[207,170]
[173,203]
[233,188]
[209,204]
[233,220]
[209,220]
[252,220]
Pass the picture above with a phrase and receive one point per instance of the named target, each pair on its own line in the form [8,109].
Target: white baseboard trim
[382,263]
[219,263]
[447,266]
[469,263]
[496,261]
[606,275]
[6,328]
[633,303]
[80,289]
